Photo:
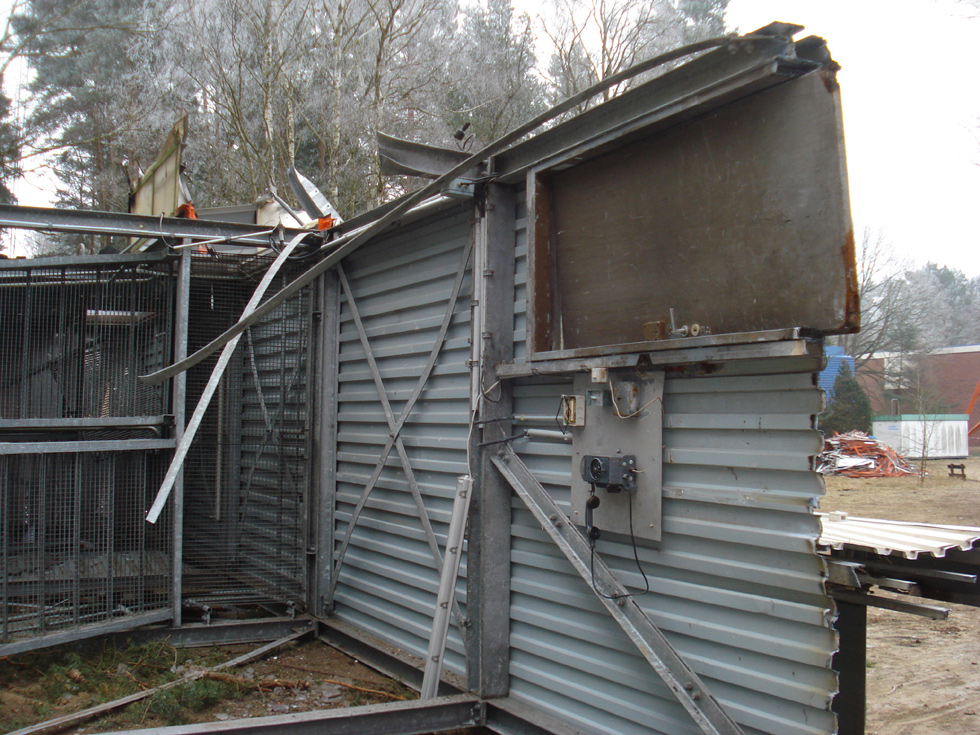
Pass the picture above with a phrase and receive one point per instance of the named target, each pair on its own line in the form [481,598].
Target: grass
[172,705]
[102,673]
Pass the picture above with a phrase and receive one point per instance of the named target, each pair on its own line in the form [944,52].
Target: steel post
[324,474]
[488,578]
[178,407]
[850,663]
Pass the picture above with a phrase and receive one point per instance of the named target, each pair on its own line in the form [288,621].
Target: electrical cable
[637,412]
[485,392]
[636,558]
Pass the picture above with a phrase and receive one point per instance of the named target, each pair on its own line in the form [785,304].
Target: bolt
[621,602]
[696,696]
[552,518]
[689,686]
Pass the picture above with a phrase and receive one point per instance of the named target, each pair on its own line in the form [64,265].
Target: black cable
[636,557]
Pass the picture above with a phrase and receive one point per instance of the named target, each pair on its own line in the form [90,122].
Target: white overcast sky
[910,90]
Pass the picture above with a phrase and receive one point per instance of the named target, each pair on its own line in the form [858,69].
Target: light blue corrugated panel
[401,285]
[835,358]
[735,582]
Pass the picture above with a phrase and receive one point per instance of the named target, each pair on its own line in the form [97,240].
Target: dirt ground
[299,677]
[923,675]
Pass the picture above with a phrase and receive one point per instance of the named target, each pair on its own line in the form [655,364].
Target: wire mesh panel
[76,547]
[246,477]
[74,486]
[74,338]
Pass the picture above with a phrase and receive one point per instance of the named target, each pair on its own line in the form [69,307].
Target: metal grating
[246,477]
[74,338]
[74,547]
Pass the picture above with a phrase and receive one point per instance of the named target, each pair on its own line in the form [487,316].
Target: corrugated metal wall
[735,583]
[401,286]
[275,451]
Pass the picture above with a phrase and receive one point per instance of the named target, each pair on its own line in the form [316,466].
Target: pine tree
[850,409]
[78,52]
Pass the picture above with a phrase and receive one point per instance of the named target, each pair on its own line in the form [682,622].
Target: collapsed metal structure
[528,315]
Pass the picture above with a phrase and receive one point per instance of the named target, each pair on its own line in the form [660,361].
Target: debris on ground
[856,454]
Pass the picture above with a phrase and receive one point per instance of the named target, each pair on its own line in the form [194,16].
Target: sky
[910,90]
[910,93]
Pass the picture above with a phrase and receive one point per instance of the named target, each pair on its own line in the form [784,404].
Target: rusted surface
[852,314]
[655,330]
[829,76]
[540,267]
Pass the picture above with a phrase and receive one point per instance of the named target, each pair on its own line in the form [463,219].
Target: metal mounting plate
[605,433]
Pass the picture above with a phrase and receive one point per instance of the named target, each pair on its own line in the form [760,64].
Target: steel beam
[701,85]
[107,445]
[324,472]
[85,631]
[221,633]
[685,684]
[77,261]
[391,718]
[178,400]
[933,612]
[680,355]
[488,578]
[127,225]
[510,717]
[79,424]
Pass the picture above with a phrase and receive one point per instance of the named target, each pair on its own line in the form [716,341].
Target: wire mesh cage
[247,474]
[76,547]
[84,444]
[74,487]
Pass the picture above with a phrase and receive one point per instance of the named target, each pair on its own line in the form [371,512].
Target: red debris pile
[856,454]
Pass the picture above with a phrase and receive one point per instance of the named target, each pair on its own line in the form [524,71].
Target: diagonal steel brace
[395,425]
[656,649]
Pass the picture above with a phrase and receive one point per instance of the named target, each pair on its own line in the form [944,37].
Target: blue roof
[835,356]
